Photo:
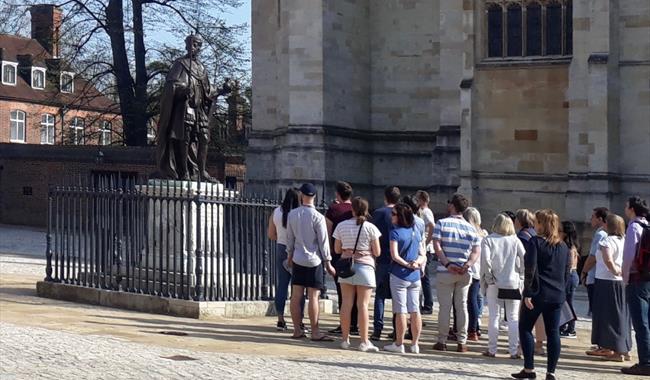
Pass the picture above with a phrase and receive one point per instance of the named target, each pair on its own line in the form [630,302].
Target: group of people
[525,269]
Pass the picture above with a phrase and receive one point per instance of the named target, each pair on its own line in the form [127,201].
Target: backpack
[642,257]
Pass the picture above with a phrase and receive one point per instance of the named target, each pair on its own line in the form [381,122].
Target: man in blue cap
[308,252]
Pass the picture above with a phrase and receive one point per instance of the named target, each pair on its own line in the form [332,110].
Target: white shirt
[475,270]
[281,231]
[615,245]
[502,261]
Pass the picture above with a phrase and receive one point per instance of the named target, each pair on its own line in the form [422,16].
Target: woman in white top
[277,232]
[473,217]
[363,280]
[610,316]
[502,267]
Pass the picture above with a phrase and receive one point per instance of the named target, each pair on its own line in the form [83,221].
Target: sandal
[323,338]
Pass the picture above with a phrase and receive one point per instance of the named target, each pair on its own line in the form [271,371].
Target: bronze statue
[183,132]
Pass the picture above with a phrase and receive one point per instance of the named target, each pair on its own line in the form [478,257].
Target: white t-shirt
[281,231]
[615,245]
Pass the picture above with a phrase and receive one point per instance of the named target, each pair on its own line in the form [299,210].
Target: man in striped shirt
[457,246]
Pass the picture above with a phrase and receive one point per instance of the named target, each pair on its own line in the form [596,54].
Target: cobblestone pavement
[43,338]
[28,352]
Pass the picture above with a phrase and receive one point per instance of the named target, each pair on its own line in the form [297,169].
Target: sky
[241,15]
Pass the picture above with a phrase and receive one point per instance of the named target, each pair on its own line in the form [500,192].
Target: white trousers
[512,314]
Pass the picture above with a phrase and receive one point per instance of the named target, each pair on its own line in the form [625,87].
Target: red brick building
[43,101]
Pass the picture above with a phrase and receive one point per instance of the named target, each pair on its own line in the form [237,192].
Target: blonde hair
[615,225]
[549,222]
[473,217]
[525,218]
[423,196]
[503,225]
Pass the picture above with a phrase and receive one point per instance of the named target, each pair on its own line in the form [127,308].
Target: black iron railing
[171,239]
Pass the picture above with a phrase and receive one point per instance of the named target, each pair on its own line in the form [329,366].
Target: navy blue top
[408,243]
[381,218]
[547,269]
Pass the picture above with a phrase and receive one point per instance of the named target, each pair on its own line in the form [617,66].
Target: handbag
[509,294]
[344,268]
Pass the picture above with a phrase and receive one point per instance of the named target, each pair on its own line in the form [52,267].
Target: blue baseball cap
[308,189]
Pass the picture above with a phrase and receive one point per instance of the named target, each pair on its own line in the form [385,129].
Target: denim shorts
[364,275]
[406,295]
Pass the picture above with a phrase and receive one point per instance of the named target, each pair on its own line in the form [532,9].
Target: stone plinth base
[161,305]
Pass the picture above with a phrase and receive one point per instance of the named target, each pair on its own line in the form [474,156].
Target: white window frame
[17,120]
[41,70]
[76,127]
[106,128]
[2,74]
[47,126]
[71,82]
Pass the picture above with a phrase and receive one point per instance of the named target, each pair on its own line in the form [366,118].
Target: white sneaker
[345,344]
[368,347]
[415,349]
[394,348]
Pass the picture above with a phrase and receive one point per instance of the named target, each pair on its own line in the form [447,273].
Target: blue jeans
[571,286]
[527,318]
[284,279]
[382,272]
[427,293]
[638,300]
[472,306]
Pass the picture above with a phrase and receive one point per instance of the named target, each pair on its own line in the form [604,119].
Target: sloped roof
[85,95]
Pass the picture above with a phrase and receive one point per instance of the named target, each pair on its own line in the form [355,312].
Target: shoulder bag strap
[354,251]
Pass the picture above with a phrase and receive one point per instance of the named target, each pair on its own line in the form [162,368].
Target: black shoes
[281,326]
[525,375]
[426,310]
[337,330]
[375,337]
[637,370]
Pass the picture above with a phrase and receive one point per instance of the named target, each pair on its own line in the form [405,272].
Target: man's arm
[291,240]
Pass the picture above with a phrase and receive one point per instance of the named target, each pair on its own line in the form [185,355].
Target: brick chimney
[46,25]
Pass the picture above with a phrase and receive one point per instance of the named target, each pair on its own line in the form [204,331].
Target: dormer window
[67,82]
[38,78]
[9,70]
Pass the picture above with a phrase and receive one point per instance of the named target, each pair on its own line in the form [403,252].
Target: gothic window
[554,28]
[534,29]
[495,30]
[514,30]
[568,28]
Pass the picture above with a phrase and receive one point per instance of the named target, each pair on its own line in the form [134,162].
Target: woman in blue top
[408,257]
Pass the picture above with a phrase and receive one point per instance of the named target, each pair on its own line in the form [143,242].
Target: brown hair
[460,202]
[601,213]
[525,218]
[360,209]
[404,215]
[549,222]
[392,194]
[423,196]
[344,190]
[615,225]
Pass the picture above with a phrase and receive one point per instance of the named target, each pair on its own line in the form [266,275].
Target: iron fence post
[118,240]
[265,259]
[48,249]
[198,287]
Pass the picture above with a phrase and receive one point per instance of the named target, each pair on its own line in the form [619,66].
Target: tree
[13,18]
[121,24]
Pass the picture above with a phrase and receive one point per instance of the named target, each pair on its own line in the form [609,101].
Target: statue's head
[193,44]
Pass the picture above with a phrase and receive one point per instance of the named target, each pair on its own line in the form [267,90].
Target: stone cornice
[365,135]
[571,176]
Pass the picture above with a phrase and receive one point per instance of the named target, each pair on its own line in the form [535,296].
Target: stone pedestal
[177,225]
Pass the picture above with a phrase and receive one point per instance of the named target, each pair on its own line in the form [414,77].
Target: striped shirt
[457,238]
